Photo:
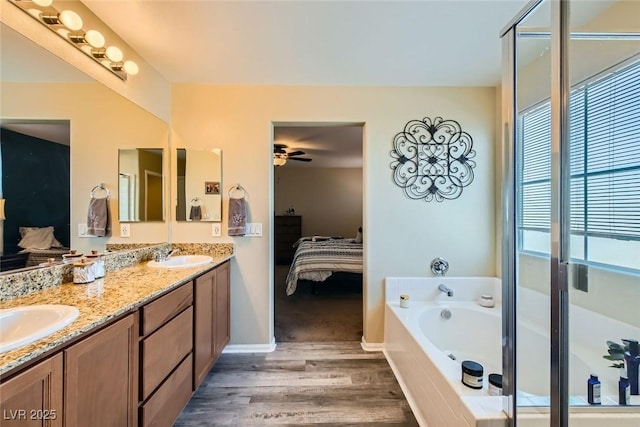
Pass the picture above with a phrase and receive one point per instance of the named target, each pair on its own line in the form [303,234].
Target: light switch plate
[125,230]
[253,229]
[82,230]
[216,229]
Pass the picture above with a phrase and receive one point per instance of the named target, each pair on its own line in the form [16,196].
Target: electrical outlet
[215,229]
[125,231]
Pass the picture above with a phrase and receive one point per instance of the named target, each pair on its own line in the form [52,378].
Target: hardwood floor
[321,384]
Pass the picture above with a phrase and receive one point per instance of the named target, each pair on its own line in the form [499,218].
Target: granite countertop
[119,292]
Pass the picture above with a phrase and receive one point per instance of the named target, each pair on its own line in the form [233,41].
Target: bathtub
[425,351]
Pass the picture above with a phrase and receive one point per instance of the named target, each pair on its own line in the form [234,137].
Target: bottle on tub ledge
[624,392]
[593,390]
[632,362]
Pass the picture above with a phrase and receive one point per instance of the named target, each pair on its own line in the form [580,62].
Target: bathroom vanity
[141,345]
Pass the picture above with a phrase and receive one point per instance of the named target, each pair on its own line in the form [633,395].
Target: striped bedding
[318,260]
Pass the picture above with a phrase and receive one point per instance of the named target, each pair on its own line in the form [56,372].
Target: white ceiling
[327,145]
[341,43]
[362,43]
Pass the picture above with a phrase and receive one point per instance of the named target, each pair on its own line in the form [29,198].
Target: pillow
[25,230]
[358,238]
[37,238]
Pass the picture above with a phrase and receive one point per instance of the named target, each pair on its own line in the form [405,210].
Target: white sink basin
[182,261]
[23,325]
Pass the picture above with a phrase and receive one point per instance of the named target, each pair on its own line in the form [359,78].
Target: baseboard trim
[251,348]
[376,346]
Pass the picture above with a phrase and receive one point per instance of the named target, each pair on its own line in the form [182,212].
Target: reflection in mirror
[44,93]
[199,185]
[140,189]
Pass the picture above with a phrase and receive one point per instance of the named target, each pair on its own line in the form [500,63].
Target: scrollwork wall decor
[433,159]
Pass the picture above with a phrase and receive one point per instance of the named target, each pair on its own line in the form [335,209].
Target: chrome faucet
[446,290]
[160,257]
[171,253]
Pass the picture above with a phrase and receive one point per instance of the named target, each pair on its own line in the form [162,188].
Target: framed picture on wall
[211,187]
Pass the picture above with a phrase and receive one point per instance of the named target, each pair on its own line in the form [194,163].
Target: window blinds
[604,131]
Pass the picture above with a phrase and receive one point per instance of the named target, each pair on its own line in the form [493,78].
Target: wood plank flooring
[319,383]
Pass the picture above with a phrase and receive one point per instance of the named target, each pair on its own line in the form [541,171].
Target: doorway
[318,200]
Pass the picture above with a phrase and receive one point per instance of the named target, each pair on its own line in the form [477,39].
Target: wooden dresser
[288,229]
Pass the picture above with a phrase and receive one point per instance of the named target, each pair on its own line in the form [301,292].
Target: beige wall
[328,199]
[101,123]
[402,235]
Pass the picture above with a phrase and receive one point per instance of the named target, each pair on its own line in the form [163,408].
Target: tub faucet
[446,290]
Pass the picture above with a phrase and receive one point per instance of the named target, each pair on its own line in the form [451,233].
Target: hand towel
[237,216]
[196,213]
[99,218]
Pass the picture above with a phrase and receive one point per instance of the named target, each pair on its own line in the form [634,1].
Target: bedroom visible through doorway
[318,211]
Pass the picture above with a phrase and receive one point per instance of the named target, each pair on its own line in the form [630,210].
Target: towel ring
[195,201]
[100,187]
[238,187]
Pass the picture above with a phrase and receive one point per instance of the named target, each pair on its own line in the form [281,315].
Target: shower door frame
[559,297]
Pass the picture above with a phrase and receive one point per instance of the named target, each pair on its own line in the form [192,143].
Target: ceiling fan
[280,155]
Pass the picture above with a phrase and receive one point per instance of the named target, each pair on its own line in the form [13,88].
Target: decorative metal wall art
[433,159]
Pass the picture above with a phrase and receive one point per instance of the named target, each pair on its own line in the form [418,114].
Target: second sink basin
[25,324]
[182,261]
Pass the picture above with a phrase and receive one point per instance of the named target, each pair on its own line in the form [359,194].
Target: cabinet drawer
[164,308]
[164,349]
[169,400]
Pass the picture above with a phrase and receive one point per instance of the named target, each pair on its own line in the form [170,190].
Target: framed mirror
[140,185]
[199,185]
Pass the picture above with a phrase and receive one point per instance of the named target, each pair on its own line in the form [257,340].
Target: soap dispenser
[632,361]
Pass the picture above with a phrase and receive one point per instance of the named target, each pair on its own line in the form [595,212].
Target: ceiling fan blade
[296,153]
[279,148]
[302,159]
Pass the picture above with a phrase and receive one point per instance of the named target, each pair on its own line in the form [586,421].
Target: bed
[39,256]
[317,259]
[40,244]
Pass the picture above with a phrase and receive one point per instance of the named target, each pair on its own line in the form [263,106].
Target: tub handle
[439,266]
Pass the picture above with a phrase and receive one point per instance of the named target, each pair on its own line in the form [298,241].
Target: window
[604,127]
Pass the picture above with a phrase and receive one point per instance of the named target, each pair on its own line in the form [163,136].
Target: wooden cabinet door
[101,378]
[34,397]
[204,291]
[221,313]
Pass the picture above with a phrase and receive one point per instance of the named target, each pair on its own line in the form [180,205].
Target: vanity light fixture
[69,25]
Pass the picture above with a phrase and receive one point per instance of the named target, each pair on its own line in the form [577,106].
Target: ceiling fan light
[279,161]
[94,38]
[71,20]
[114,54]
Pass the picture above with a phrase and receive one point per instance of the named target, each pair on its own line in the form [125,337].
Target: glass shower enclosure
[571,222]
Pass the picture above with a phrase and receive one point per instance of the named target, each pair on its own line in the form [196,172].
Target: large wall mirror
[199,185]
[78,123]
[140,185]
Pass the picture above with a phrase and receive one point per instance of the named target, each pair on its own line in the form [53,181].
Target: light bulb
[71,20]
[131,68]
[114,54]
[94,38]
[43,3]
